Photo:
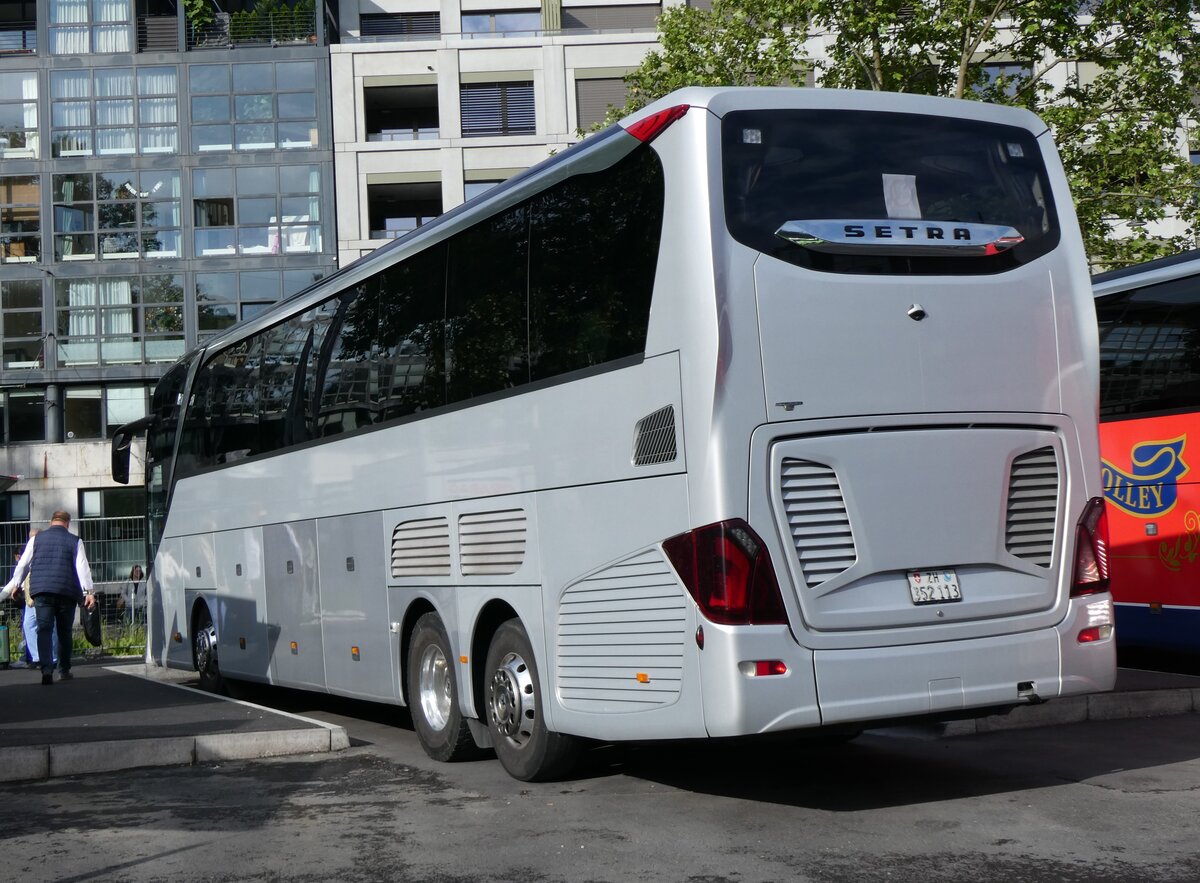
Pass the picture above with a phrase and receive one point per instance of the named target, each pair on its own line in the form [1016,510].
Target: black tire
[204,652]
[432,680]
[526,748]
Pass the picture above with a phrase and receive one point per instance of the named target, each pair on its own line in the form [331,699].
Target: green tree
[199,13]
[1116,80]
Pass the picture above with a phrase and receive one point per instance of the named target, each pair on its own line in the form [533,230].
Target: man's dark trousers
[54,611]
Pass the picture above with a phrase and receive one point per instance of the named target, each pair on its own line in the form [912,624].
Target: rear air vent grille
[421,548]
[492,543]
[622,636]
[654,438]
[817,519]
[1032,506]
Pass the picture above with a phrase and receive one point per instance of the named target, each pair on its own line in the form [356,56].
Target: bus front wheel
[524,746]
[433,693]
[204,651]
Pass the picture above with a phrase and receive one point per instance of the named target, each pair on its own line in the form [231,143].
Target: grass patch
[119,639]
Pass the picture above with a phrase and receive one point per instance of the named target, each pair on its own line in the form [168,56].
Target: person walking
[59,580]
[29,617]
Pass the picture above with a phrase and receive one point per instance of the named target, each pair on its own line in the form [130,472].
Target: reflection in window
[269,210]
[556,284]
[82,413]
[119,320]
[1150,349]
[388,359]
[21,303]
[253,106]
[502,24]
[110,111]
[18,115]
[116,215]
[20,219]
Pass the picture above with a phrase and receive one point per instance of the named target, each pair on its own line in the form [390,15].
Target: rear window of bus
[857,166]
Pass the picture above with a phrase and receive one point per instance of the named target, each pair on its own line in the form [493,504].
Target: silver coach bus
[763,410]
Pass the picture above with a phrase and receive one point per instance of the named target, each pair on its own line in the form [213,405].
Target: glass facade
[253,106]
[149,198]
[19,115]
[114,111]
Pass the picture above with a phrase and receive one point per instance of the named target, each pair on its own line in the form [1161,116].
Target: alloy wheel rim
[512,703]
[434,687]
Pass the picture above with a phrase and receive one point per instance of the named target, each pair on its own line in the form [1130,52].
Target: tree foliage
[1116,80]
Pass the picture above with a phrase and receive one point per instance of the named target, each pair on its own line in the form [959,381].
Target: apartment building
[160,178]
[437,100]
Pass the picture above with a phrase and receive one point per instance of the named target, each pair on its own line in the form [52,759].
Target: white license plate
[934,586]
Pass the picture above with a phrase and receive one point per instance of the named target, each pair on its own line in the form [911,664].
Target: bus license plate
[934,586]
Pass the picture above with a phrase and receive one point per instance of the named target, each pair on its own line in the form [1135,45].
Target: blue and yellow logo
[1149,488]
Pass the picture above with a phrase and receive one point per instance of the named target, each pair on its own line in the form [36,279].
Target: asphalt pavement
[122,714]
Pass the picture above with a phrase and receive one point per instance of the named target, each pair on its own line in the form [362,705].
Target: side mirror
[121,443]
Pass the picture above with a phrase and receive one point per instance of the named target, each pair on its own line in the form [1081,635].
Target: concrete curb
[1126,705]
[31,762]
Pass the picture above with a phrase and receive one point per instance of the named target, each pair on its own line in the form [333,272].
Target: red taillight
[726,568]
[1091,550]
[766,667]
[652,126]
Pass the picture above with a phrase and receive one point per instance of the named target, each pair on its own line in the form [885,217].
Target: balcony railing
[158,33]
[240,29]
[398,227]
[496,35]
[18,36]
[414,134]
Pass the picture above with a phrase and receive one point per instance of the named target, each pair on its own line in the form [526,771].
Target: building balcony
[403,135]
[157,33]
[18,37]
[248,28]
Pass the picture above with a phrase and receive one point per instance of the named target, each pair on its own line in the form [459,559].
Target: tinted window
[486,326]
[388,358]
[594,250]
[1150,349]
[558,283]
[795,165]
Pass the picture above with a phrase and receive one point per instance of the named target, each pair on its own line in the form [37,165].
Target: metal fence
[113,546]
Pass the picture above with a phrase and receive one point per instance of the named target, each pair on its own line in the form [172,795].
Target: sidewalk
[120,715]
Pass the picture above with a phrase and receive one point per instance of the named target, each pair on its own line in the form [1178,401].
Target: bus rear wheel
[204,652]
[525,747]
[433,693]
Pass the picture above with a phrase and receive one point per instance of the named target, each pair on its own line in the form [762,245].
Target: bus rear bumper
[829,687]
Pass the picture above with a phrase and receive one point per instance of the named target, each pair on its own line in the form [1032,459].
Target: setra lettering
[855,231]
[962,234]
[934,233]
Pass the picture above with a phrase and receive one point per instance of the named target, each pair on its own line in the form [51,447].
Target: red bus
[1149,319]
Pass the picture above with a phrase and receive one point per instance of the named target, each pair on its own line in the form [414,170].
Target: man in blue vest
[59,579]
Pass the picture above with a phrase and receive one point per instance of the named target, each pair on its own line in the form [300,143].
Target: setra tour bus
[1149,319]
[761,410]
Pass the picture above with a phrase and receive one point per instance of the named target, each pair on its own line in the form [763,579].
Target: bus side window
[1150,349]
[412,336]
[348,371]
[487,339]
[593,252]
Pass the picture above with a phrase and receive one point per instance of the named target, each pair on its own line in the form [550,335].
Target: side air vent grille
[622,634]
[817,518]
[492,543]
[421,548]
[1032,506]
[654,438]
